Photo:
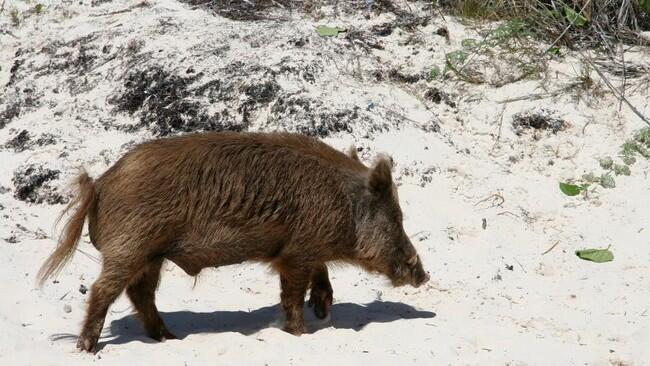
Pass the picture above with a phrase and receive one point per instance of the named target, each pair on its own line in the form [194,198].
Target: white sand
[551,309]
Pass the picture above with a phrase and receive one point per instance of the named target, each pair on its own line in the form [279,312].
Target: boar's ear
[380,180]
[352,152]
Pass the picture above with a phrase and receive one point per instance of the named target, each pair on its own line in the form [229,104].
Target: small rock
[12,239]
[83,289]
[67,308]
[443,32]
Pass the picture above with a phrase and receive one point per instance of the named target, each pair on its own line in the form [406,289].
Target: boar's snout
[421,279]
[408,270]
[418,275]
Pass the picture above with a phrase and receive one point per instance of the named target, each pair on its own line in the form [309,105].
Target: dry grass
[600,23]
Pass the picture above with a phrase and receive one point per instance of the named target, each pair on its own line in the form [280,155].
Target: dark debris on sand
[542,120]
[23,141]
[31,184]
[166,105]
[308,116]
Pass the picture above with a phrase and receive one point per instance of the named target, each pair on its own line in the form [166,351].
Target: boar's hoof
[87,344]
[162,335]
[167,335]
[297,331]
[321,302]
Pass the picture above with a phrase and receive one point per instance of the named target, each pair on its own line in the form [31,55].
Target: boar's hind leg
[114,277]
[321,296]
[294,286]
[142,292]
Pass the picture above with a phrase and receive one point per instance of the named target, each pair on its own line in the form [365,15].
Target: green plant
[639,144]
[571,22]
[434,73]
[584,78]
[621,169]
[507,45]
[606,162]
[645,5]
[574,17]
[15,17]
[554,51]
[38,9]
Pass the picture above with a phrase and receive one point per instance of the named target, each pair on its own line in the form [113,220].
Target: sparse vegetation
[510,43]
[14,14]
[638,145]
[570,22]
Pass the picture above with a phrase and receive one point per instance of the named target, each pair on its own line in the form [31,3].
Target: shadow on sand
[184,323]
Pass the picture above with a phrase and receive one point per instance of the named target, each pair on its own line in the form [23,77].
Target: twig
[551,248]
[613,89]
[520,265]
[496,141]
[2,8]
[508,213]
[420,232]
[278,4]
[143,4]
[4,31]
[496,196]
[121,311]
[90,256]
[531,97]
[620,102]
[585,127]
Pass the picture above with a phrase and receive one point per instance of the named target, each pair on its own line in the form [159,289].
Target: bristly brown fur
[71,233]
[214,199]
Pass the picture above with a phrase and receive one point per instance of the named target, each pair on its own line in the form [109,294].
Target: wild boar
[215,199]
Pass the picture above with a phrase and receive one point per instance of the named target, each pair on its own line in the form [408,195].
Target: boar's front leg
[321,296]
[294,284]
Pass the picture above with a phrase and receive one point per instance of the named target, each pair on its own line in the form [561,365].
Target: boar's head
[382,245]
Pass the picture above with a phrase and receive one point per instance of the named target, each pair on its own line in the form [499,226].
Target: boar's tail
[83,200]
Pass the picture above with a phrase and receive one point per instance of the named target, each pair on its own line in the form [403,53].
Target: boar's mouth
[417,275]
[420,281]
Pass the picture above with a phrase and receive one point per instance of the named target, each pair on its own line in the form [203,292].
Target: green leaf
[575,18]
[607,181]
[645,5]
[325,31]
[456,57]
[622,169]
[606,162]
[38,8]
[555,51]
[596,255]
[434,73]
[570,189]
[469,43]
